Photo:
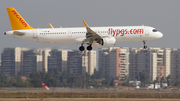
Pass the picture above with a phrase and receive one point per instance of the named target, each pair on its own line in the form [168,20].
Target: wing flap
[91,36]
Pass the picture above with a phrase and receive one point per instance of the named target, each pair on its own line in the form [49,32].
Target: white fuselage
[77,35]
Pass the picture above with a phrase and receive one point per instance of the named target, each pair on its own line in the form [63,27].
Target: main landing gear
[145,47]
[89,47]
[81,48]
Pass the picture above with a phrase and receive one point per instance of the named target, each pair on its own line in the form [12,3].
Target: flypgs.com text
[122,32]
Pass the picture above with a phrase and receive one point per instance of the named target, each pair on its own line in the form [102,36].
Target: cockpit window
[154,30]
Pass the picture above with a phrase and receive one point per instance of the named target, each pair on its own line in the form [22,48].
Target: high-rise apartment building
[32,61]
[155,61]
[147,61]
[103,61]
[81,62]
[77,62]
[133,66]
[11,60]
[58,60]
[167,61]
[91,61]
[46,54]
[23,61]
[175,65]
[114,62]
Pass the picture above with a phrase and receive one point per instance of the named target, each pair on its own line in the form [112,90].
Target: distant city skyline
[116,62]
[24,61]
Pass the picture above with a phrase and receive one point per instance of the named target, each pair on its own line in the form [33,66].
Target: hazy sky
[164,15]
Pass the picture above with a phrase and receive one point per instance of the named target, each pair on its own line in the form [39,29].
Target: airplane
[93,37]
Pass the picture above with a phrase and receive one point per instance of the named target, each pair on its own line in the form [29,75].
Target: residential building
[58,60]
[133,66]
[24,61]
[91,61]
[155,61]
[11,60]
[114,62]
[81,62]
[32,61]
[167,61]
[104,61]
[175,65]
[45,55]
[77,62]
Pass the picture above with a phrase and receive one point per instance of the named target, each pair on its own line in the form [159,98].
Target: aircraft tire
[89,48]
[81,48]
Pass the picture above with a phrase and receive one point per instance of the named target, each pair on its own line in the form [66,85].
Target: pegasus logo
[20,19]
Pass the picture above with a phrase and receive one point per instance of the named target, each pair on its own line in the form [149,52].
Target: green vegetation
[143,76]
[55,78]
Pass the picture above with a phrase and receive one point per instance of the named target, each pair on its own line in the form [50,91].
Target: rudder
[17,21]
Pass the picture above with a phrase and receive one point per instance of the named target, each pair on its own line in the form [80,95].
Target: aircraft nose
[4,33]
[159,35]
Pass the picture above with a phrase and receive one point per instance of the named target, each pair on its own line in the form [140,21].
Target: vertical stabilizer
[17,21]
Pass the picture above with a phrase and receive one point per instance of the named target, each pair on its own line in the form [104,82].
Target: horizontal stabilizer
[18,33]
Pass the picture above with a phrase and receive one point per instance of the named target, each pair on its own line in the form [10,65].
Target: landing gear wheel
[89,47]
[81,48]
[145,46]
[144,42]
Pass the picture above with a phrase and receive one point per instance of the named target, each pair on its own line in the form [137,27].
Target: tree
[97,74]
[157,79]
[154,84]
[143,76]
[112,82]
[161,81]
[128,84]
[177,84]
[168,79]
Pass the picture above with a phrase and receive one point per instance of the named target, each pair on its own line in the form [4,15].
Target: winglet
[50,25]
[85,24]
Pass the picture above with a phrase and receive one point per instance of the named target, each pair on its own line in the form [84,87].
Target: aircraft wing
[91,36]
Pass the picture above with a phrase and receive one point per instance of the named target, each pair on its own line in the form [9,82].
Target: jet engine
[107,41]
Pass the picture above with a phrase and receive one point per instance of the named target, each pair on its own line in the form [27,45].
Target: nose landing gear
[145,47]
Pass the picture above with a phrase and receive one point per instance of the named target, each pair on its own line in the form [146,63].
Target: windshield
[154,30]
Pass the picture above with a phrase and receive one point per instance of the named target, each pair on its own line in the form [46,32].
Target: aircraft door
[146,31]
[69,33]
[34,34]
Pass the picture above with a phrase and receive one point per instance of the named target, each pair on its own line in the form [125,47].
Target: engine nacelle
[108,41]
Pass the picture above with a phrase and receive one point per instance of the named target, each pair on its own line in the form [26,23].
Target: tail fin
[17,22]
